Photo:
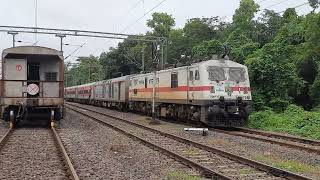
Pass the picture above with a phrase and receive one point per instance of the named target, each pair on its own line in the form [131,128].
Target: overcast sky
[111,16]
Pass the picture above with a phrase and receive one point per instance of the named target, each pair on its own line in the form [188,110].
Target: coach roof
[24,51]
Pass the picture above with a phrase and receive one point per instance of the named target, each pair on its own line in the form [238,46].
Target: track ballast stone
[102,153]
[31,153]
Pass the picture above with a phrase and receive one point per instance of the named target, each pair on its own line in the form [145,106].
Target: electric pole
[13,38]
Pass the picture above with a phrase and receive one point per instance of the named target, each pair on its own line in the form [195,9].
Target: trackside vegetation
[280,49]
[294,120]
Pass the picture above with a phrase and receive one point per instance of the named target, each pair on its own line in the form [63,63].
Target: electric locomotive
[215,92]
[32,84]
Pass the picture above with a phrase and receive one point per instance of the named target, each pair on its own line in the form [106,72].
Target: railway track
[275,138]
[27,153]
[212,162]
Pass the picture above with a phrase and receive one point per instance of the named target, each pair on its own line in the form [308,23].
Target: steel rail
[206,171]
[5,137]
[250,134]
[65,154]
[255,164]
[281,136]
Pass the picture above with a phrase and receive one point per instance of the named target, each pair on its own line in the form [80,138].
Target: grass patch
[246,171]
[294,120]
[191,152]
[180,175]
[290,165]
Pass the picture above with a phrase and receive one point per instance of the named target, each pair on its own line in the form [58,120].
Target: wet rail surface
[290,141]
[34,153]
[211,161]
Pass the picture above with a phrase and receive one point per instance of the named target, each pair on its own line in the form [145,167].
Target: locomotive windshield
[237,74]
[216,73]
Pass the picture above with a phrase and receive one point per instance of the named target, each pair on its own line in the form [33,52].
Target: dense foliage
[293,120]
[282,52]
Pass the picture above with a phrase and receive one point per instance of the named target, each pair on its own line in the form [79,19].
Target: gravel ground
[99,152]
[31,154]
[3,128]
[253,149]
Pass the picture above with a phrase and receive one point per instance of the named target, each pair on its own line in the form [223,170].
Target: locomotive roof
[213,62]
[24,51]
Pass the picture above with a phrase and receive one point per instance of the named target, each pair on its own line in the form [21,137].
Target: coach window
[109,92]
[197,75]
[112,90]
[191,75]
[145,82]
[174,80]
[51,76]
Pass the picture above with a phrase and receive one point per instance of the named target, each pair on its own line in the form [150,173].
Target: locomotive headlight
[212,90]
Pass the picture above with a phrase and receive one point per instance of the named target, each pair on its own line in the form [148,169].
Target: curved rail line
[275,138]
[60,146]
[202,161]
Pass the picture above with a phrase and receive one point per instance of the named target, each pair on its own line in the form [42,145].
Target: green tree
[266,27]
[273,76]
[289,15]
[242,19]
[208,48]
[314,4]
[178,46]
[161,24]
[197,31]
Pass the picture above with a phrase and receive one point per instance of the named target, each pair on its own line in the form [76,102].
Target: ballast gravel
[99,152]
[31,153]
[252,149]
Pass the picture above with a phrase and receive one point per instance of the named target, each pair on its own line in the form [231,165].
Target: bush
[293,120]
[279,104]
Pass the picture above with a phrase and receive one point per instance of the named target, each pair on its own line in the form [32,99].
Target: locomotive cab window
[51,76]
[191,75]
[197,75]
[146,82]
[174,80]
[237,74]
[216,73]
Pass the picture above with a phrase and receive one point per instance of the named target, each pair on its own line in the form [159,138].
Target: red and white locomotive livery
[215,92]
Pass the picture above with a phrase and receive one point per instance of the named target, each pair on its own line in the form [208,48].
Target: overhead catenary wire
[262,1]
[130,9]
[276,4]
[146,13]
[306,3]
[75,51]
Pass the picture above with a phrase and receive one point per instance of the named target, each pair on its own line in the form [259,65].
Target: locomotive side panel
[173,86]
[123,87]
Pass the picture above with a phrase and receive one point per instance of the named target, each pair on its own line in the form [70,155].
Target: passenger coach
[32,83]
